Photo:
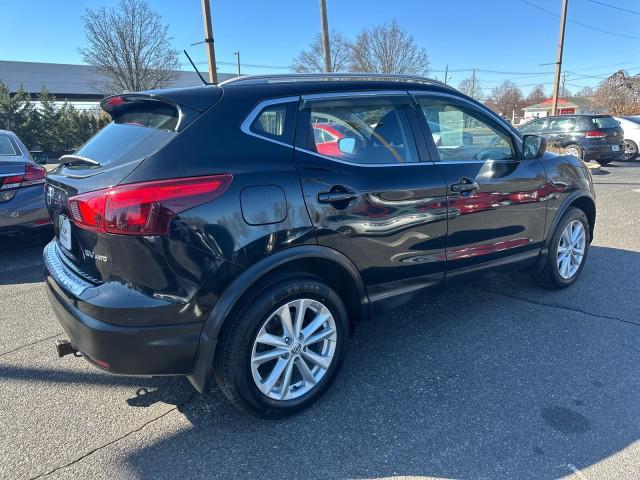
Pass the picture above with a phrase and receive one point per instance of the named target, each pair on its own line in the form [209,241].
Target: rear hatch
[142,124]
[604,131]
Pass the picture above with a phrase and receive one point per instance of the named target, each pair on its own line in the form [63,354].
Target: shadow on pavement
[21,258]
[468,384]
[472,383]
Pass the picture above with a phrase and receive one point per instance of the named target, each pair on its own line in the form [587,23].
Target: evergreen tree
[46,125]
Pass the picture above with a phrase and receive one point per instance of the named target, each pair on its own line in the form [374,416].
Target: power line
[635,12]
[575,22]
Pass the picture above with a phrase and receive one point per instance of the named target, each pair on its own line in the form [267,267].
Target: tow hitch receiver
[64,347]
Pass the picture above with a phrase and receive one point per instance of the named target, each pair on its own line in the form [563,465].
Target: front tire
[568,249]
[284,349]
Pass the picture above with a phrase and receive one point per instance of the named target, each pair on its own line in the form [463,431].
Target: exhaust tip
[64,347]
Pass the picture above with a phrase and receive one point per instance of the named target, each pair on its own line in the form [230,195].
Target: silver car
[631,127]
[22,196]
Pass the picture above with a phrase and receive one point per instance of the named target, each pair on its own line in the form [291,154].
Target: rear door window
[361,130]
[135,132]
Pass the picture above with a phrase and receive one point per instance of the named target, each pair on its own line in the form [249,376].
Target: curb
[594,167]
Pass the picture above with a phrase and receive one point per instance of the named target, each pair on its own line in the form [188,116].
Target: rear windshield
[6,147]
[605,122]
[633,119]
[133,134]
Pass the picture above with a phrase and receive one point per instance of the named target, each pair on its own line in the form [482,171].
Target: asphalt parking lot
[498,379]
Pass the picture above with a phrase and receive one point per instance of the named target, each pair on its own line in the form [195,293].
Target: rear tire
[561,268]
[261,330]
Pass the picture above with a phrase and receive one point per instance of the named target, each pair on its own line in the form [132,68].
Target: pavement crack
[7,352]
[562,307]
[116,440]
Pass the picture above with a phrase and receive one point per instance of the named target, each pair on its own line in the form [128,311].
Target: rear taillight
[144,208]
[595,134]
[33,175]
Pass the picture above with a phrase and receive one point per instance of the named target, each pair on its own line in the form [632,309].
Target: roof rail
[318,77]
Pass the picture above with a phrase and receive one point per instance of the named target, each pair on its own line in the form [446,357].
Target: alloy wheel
[629,151]
[571,248]
[573,151]
[293,349]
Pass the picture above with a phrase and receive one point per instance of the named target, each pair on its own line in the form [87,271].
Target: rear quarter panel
[210,245]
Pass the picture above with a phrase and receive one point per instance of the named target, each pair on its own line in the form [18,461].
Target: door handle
[465,185]
[333,197]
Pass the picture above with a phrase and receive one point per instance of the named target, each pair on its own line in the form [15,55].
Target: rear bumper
[135,350]
[24,212]
[602,152]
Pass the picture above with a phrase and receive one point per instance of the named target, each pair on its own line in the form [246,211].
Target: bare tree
[312,61]
[565,92]
[389,49]
[586,92]
[471,86]
[506,98]
[130,45]
[536,95]
[619,94]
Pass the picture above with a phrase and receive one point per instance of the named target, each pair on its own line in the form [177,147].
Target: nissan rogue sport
[204,232]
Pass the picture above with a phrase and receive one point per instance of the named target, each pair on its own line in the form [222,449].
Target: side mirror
[40,158]
[347,145]
[534,146]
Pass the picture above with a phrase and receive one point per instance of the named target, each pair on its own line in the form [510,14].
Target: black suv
[589,137]
[240,230]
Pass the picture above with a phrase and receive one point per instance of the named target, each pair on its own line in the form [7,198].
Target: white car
[631,127]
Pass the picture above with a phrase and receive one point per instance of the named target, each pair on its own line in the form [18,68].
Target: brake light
[33,175]
[595,134]
[144,208]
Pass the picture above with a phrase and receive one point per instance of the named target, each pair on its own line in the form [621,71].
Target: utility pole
[556,84]
[208,40]
[324,32]
[473,84]
[237,54]
[564,79]
[446,73]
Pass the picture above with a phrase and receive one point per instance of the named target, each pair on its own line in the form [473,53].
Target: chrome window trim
[353,164]
[357,94]
[245,126]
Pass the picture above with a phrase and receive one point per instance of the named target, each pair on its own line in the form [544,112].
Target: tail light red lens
[595,134]
[33,175]
[144,208]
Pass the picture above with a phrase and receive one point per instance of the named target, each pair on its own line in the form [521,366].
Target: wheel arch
[325,263]
[582,199]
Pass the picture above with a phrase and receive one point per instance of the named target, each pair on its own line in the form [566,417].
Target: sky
[503,39]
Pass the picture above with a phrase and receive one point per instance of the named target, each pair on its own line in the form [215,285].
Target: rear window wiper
[78,160]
